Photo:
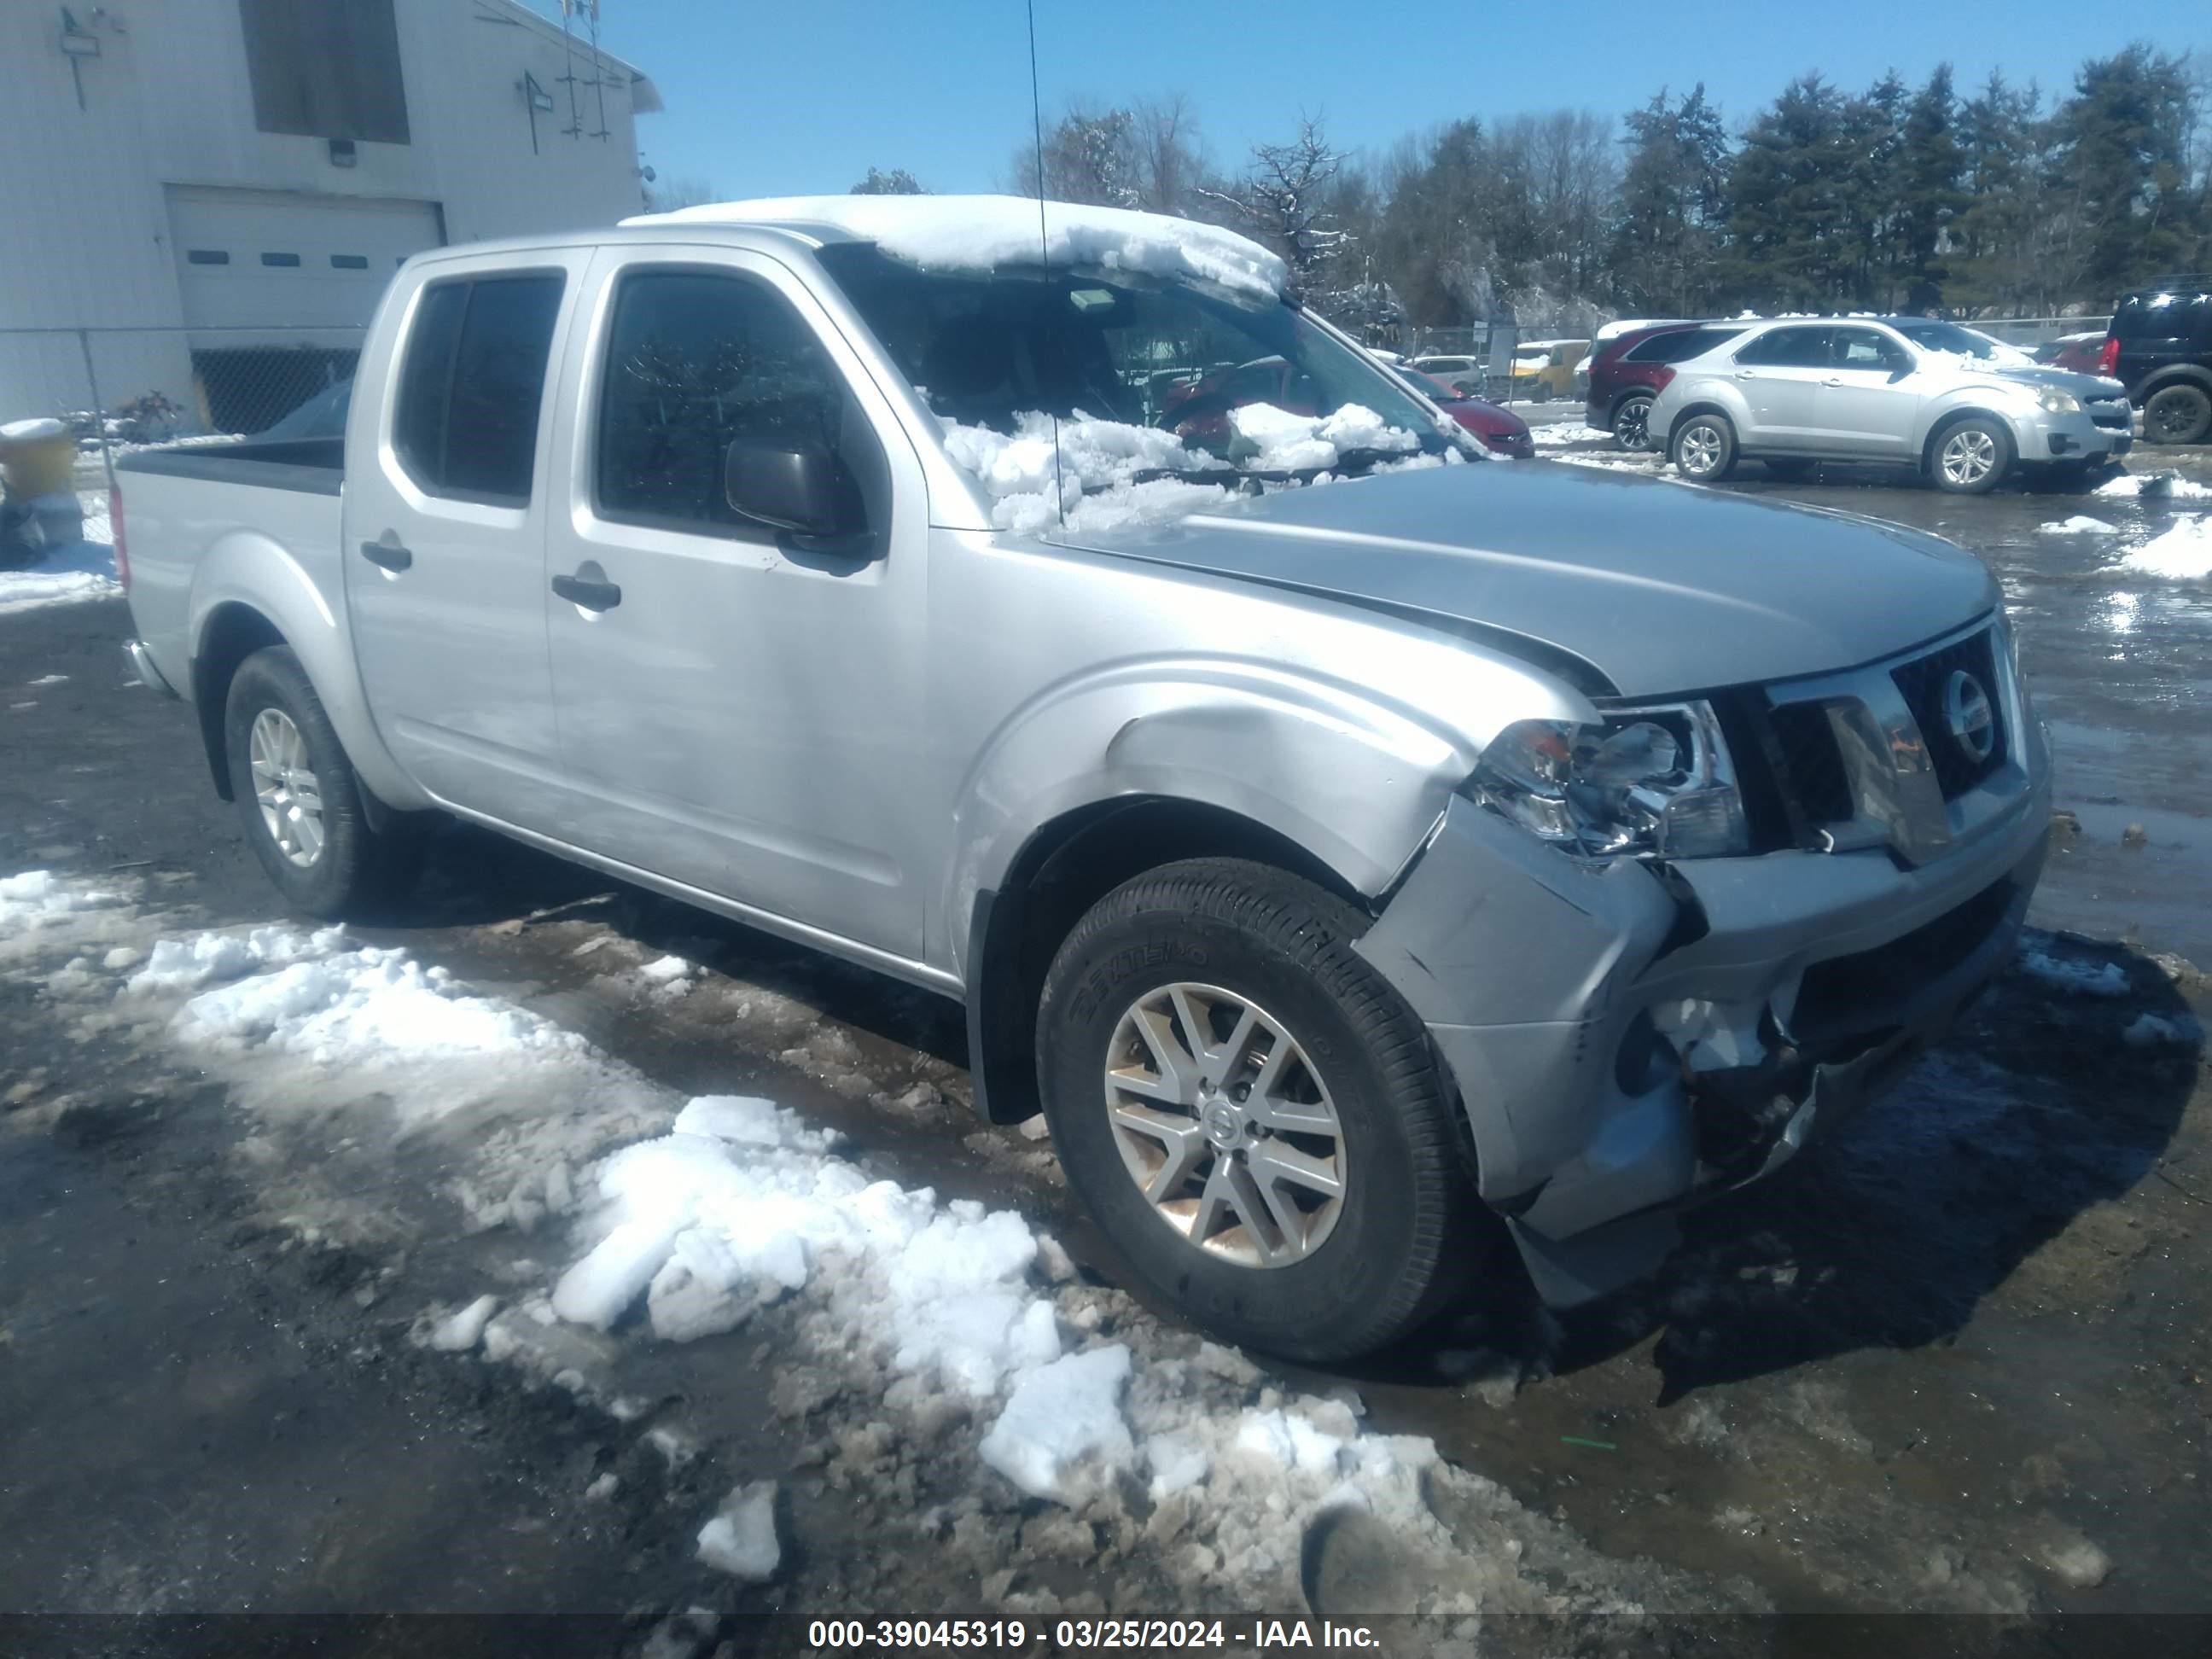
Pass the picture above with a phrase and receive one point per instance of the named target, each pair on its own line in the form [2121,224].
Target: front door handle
[1833,380]
[592,595]
[1744,374]
[389,555]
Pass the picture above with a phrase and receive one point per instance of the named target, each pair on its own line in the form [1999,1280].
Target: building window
[325,69]
[349,261]
[287,259]
[206,256]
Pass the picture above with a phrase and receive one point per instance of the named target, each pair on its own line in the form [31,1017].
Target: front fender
[1357,783]
[247,568]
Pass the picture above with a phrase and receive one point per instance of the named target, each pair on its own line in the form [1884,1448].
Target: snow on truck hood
[978,233]
[1661,587]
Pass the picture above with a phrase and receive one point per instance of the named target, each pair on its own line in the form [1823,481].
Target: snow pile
[458,1332]
[1090,482]
[2183,553]
[34,590]
[1089,476]
[2103,979]
[39,898]
[1568,432]
[2164,1031]
[186,964]
[366,1006]
[1061,1418]
[2079,524]
[1284,442]
[980,233]
[741,1539]
[2156,486]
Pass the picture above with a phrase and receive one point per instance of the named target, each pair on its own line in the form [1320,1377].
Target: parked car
[1467,374]
[1500,429]
[1355,876]
[2159,347]
[1631,368]
[1544,369]
[1953,404]
[2082,353]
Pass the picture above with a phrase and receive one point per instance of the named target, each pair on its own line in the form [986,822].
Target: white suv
[1962,408]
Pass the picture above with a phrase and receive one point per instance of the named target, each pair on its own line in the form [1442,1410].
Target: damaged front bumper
[1629,1037]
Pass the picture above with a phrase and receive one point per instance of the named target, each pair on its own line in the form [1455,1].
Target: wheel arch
[1705,406]
[232,632]
[1948,418]
[1064,868]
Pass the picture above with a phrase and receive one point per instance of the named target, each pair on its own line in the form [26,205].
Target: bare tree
[666,195]
[1286,197]
[897,182]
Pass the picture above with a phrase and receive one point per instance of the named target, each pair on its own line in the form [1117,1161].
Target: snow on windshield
[1106,474]
[980,233]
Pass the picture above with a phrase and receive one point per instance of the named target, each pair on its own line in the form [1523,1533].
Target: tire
[2177,414]
[1791,469]
[1407,1230]
[354,871]
[1709,442]
[1970,457]
[1631,427]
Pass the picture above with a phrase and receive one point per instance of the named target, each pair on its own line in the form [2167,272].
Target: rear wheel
[1703,448]
[1253,1116]
[296,791]
[1972,457]
[1632,424]
[2178,415]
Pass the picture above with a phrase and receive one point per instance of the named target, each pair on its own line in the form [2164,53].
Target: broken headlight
[1643,783]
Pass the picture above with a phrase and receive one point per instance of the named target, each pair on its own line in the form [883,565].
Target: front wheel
[2178,415]
[300,802]
[1972,457]
[1253,1115]
[1703,449]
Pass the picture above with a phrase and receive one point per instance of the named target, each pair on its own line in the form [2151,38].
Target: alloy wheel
[1224,1124]
[1699,452]
[1967,455]
[291,795]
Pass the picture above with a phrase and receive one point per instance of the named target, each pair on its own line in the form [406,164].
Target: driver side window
[1787,348]
[1863,348]
[695,361]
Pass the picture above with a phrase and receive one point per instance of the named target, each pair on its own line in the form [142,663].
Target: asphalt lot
[1956,1361]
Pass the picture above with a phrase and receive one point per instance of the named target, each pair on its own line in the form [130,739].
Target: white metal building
[225,173]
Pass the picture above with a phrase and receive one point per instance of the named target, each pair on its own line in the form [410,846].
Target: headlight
[2055,402]
[1643,783]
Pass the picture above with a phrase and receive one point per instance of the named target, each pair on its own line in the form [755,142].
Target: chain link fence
[121,388]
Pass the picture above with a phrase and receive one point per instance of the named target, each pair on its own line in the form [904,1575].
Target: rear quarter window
[1680,347]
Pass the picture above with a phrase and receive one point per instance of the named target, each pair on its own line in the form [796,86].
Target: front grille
[1923,681]
[2117,414]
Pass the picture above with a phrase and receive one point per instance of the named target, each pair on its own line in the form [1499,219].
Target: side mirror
[798,488]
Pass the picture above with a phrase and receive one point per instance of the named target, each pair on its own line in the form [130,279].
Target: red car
[1633,368]
[1500,429]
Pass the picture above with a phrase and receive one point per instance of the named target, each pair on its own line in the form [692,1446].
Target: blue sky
[801,98]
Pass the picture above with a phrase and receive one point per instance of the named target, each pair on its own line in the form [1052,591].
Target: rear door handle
[391,555]
[1744,374]
[592,596]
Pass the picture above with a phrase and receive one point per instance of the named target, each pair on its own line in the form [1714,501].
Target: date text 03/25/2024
[1244,1634]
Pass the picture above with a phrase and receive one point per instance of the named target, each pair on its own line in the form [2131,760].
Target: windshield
[1206,368]
[1964,341]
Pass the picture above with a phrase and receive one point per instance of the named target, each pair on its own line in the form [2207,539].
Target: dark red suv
[1631,368]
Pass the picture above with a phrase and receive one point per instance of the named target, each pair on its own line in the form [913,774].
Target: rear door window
[471,383]
[1787,348]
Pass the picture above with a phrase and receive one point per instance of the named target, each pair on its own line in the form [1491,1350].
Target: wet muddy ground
[1956,1358]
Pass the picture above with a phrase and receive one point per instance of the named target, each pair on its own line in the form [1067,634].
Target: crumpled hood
[1659,586]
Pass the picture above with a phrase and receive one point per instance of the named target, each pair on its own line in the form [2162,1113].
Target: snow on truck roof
[976,233]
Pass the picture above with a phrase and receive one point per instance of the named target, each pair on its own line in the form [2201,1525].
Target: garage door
[253,258]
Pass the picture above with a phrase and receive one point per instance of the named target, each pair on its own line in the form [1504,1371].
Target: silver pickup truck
[1363,853]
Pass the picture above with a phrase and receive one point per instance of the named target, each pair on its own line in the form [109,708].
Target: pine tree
[1666,225]
[1788,192]
[2123,142]
[1930,165]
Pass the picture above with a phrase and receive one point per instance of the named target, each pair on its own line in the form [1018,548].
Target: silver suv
[1962,408]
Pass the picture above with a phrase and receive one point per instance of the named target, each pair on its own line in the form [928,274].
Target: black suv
[2160,345]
